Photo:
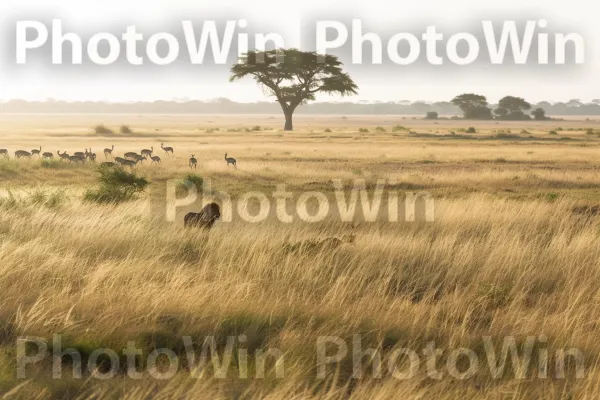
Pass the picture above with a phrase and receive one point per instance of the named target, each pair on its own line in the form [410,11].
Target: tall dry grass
[102,275]
[505,256]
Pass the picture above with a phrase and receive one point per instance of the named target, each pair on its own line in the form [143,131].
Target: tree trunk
[288,121]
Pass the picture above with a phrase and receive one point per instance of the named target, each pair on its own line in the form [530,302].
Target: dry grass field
[506,257]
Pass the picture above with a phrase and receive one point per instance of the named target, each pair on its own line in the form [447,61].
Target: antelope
[22,153]
[193,162]
[89,155]
[230,160]
[81,154]
[131,154]
[155,159]
[205,219]
[139,158]
[4,152]
[166,149]
[47,155]
[63,156]
[36,151]
[108,152]
[125,162]
[147,152]
[129,163]
[76,158]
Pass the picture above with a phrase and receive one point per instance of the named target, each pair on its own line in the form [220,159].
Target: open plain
[513,251]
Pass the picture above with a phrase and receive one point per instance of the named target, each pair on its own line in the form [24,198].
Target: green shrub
[327,130]
[471,130]
[116,186]
[190,179]
[398,128]
[552,133]
[380,129]
[38,197]
[363,130]
[51,200]
[124,129]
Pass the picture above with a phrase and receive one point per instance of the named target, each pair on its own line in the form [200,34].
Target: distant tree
[431,115]
[574,103]
[544,104]
[512,108]
[473,106]
[596,101]
[421,106]
[511,103]
[294,76]
[539,114]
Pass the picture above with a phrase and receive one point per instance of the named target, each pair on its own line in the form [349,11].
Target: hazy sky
[40,79]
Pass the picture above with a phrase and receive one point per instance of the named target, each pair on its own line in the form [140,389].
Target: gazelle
[166,149]
[155,159]
[4,152]
[108,152]
[76,158]
[91,156]
[47,155]
[80,154]
[147,152]
[130,154]
[124,162]
[193,162]
[63,156]
[137,158]
[36,152]
[22,153]
[230,160]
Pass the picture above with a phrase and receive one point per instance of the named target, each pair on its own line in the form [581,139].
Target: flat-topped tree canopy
[294,77]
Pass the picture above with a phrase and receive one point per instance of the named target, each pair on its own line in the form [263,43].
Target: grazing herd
[129,159]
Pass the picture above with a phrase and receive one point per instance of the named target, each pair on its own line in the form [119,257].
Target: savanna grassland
[509,254]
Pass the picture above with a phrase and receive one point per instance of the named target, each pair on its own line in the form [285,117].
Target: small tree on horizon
[294,77]
[512,108]
[539,114]
[473,106]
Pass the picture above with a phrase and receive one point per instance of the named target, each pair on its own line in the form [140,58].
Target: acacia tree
[512,108]
[294,76]
[474,106]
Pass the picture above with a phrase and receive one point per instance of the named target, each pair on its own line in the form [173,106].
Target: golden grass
[505,256]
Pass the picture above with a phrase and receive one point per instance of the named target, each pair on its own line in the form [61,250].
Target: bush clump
[363,130]
[102,130]
[398,128]
[380,129]
[471,130]
[116,186]
[126,130]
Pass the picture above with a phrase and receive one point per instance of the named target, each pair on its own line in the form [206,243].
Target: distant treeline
[226,106]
